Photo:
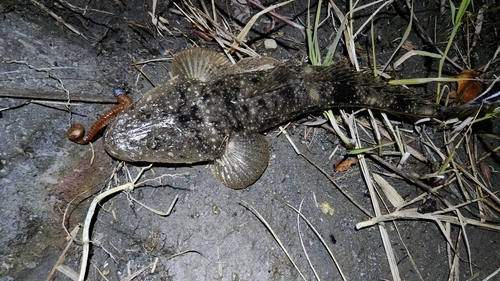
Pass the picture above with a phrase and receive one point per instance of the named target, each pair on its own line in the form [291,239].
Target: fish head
[168,125]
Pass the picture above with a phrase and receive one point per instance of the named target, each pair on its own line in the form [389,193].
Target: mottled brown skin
[212,111]
[188,120]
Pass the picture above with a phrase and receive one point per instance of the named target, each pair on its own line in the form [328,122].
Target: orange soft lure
[77,132]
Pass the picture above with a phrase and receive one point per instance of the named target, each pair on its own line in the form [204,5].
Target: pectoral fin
[244,161]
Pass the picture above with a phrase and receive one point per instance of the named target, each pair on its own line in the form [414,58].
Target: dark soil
[46,181]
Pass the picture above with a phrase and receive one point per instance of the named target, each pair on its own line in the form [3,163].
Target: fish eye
[154,143]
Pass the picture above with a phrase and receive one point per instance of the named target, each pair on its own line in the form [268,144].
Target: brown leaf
[485,171]
[468,89]
[343,165]
[408,45]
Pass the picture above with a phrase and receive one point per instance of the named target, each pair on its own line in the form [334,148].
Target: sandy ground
[47,181]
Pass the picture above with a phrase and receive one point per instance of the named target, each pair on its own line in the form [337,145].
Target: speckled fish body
[196,116]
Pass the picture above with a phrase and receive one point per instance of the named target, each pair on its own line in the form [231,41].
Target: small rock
[270,44]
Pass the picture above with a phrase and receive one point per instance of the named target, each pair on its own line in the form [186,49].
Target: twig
[361,208]
[275,15]
[414,215]
[323,242]
[402,173]
[426,37]
[189,251]
[90,214]
[14,106]
[275,236]
[63,254]
[302,242]
[55,96]
[57,18]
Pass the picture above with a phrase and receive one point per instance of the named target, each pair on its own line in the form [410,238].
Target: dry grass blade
[410,256]
[369,183]
[84,10]
[56,96]
[396,137]
[302,244]
[383,231]
[103,276]
[411,53]
[67,271]
[252,21]
[137,273]
[454,268]
[90,215]
[275,236]
[158,21]
[276,16]
[323,242]
[57,18]
[212,29]
[349,38]
[492,275]
[497,51]
[339,188]
[160,213]
[413,214]
[479,184]
[59,266]
[389,191]
[91,211]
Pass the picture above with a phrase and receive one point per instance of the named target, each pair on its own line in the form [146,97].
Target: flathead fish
[213,111]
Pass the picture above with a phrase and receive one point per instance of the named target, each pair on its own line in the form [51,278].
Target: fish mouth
[118,149]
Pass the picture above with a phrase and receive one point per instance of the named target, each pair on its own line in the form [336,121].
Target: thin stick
[63,254]
[299,213]
[261,218]
[252,21]
[90,214]
[303,245]
[402,173]
[366,212]
[283,130]
[55,96]
[259,5]
[412,214]
[57,18]
[190,251]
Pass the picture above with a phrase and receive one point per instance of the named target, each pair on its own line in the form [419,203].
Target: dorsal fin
[275,79]
[251,64]
[198,63]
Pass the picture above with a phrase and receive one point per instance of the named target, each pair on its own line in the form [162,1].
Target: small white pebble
[270,45]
